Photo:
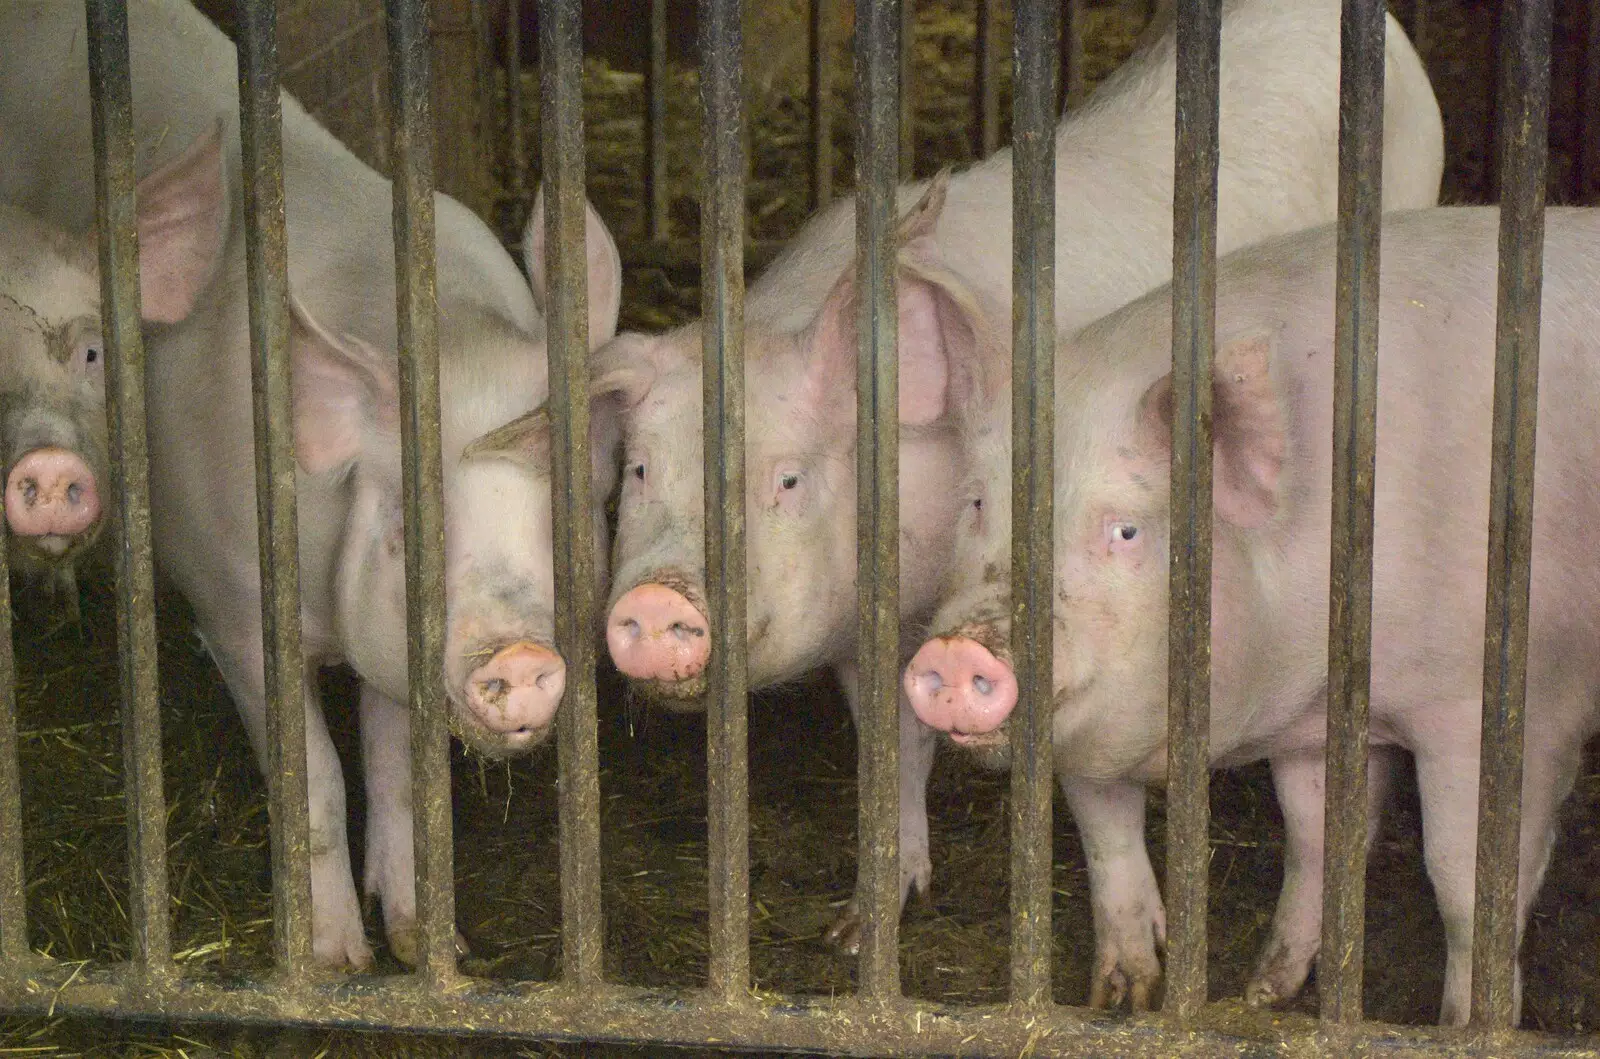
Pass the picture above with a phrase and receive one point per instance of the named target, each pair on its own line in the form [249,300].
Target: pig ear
[622,372]
[604,269]
[943,336]
[183,215]
[343,388]
[1248,429]
[526,441]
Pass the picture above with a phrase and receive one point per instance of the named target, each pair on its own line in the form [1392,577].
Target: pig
[1279,122]
[52,389]
[502,677]
[1272,433]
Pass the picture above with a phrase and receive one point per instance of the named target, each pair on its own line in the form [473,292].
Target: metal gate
[878,1019]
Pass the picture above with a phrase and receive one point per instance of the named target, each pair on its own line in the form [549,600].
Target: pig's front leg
[391,863]
[1130,921]
[1285,961]
[918,745]
[337,937]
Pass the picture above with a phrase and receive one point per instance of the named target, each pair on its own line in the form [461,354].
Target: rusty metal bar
[1524,123]
[908,96]
[656,189]
[110,93]
[267,271]
[422,470]
[602,1013]
[516,140]
[1071,43]
[1355,424]
[987,82]
[561,85]
[878,124]
[722,332]
[1587,164]
[13,880]
[822,15]
[1194,297]
[1033,220]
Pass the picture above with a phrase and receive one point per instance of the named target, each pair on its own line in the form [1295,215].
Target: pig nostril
[493,689]
[74,494]
[984,685]
[684,632]
[30,491]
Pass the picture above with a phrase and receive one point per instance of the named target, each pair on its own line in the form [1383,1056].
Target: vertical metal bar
[987,88]
[878,124]
[267,264]
[722,331]
[13,893]
[1588,160]
[822,14]
[1071,53]
[1525,116]
[111,95]
[1498,52]
[416,294]
[1355,410]
[1194,294]
[561,86]
[908,96]
[1032,492]
[516,139]
[655,123]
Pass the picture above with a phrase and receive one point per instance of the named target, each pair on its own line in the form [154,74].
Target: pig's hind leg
[1286,959]
[391,856]
[337,937]
[1447,780]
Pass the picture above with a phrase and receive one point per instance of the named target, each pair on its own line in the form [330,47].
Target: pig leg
[337,937]
[918,744]
[1130,922]
[391,863]
[1448,785]
[1286,959]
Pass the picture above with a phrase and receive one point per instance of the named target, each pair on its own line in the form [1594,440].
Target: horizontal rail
[604,1013]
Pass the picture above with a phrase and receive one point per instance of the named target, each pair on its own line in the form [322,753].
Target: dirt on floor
[802,760]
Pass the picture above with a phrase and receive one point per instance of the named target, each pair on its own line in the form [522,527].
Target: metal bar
[822,15]
[411,137]
[1071,43]
[656,190]
[1194,296]
[1355,418]
[722,332]
[601,1013]
[516,139]
[1588,160]
[267,271]
[987,87]
[908,96]
[1032,492]
[13,880]
[111,96]
[1524,122]
[878,110]
[561,85]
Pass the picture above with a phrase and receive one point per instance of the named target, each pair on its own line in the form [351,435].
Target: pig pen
[954,947]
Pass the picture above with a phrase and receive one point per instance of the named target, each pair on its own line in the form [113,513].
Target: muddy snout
[956,685]
[515,691]
[654,633]
[52,498]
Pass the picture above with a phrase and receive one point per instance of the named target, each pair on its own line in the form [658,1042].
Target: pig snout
[957,685]
[51,492]
[517,690]
[655,633]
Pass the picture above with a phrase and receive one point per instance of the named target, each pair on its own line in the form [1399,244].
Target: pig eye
[1121,534]
[638,471]
[977,504]
[788,481]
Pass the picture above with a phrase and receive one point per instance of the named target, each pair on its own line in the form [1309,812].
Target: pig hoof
[342,949]
[404,946]
[1113,986]
[1279,976]
[845,934]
